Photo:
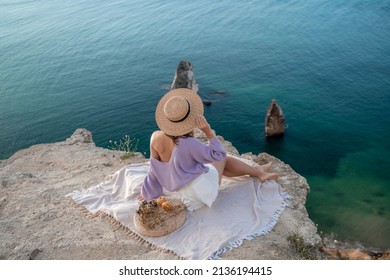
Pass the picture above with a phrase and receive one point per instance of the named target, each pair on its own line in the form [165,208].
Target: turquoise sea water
[103,65]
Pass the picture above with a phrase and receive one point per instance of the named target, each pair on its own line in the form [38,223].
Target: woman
[181,163]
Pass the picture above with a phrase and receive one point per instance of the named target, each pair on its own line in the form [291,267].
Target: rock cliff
[38,222]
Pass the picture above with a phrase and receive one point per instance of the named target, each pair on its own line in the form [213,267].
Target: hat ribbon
[182,119]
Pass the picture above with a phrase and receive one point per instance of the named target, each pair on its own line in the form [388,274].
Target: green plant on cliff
[304,250]
[126,144]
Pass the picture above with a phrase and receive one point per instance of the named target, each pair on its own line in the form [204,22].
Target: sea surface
[103,65]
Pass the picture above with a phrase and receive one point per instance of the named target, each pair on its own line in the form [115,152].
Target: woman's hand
[204,126]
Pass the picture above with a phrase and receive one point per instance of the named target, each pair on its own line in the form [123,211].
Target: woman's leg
[220,166]
[234,167]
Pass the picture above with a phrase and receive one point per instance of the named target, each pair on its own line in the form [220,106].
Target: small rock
[34,254]
[207,102]
[274,120]
[4,183]
[81,135]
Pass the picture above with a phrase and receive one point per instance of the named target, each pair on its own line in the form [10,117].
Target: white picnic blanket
[245,208]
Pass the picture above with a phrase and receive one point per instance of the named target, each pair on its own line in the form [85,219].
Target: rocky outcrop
[274,120]
[355,253]
[37,221]
[184,77]
[81,135]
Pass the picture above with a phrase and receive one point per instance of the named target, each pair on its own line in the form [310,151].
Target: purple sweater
[186,163]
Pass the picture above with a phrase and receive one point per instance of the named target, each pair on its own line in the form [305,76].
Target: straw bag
[152,219]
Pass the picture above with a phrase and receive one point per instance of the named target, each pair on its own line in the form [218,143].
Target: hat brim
[189,123]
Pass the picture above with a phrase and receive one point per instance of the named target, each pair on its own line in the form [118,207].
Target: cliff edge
[38,222]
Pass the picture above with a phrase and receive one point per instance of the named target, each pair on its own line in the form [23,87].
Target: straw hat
[176,111]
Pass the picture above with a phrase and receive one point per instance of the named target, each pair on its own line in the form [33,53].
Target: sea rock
[184,77]
[218,92]
[355,254]
[274,120]
[207,102]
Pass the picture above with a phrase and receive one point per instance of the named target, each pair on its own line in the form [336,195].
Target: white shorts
[201,191]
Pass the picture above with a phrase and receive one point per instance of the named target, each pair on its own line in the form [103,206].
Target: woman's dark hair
[175,139]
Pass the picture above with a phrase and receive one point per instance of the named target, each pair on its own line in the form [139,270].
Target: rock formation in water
[184,76]
[274,120]
[355,253]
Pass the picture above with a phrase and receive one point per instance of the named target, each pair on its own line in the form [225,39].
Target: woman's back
[161,146]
